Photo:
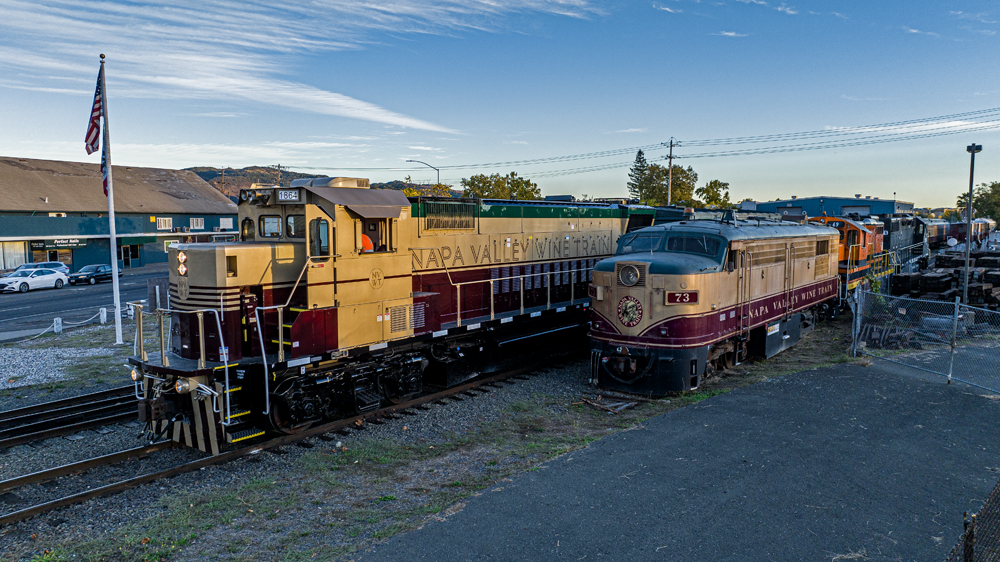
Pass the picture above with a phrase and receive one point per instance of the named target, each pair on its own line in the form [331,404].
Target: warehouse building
[835,206]
[57,211]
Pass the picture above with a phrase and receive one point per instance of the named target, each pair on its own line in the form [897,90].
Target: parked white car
[26,280]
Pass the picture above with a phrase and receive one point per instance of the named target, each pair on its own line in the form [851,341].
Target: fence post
[969,538]
[104,316]
[954,337]
[856,324]
[57,325]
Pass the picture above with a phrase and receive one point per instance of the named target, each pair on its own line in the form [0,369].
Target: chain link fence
[980,540]
[950,339]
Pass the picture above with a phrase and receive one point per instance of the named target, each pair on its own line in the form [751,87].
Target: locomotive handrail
[548,289]
[223,349]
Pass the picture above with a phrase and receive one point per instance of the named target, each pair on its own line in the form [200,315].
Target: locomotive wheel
[280,418]
[392,392]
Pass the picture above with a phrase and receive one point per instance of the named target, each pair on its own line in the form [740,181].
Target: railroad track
[66,416]
[470,389]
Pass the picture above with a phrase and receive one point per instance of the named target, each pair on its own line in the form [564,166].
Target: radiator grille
[417,316]
[822,266]
[398,318]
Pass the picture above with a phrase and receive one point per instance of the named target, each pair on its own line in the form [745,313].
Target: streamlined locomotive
[340,298]
[681,300]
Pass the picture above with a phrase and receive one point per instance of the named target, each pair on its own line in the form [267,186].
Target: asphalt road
[844,462]
[36,309]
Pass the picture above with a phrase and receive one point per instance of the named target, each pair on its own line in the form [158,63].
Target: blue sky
[326,86]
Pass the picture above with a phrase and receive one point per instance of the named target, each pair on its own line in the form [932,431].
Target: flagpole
[113,241]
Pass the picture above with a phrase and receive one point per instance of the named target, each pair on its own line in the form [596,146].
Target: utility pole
[279,175]
[223,179]
[971,149]
[670,173]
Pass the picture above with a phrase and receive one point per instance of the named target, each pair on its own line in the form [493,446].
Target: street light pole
[972,149]
[429,166]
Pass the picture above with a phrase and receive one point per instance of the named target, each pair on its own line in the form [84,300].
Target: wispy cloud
[759,2]
[666,9]
[730,34]
[853,98]
[919,32]
[632,130]
[516,142]
[427,148]
[787,9]
[981,17]
[834,14]
[222,50]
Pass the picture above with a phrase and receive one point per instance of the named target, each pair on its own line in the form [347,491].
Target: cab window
[270,226]
[319,238]
[295,226]
[640,242]
[247,230]
[700,244]
[376,235]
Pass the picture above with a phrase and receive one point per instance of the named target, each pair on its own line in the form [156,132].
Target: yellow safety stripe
[252,435]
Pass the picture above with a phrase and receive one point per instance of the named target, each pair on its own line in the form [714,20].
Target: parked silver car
[53,265]
[27,279]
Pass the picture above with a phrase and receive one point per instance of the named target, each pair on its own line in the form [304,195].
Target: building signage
[58,243]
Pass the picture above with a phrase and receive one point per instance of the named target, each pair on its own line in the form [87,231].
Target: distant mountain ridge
[233,180]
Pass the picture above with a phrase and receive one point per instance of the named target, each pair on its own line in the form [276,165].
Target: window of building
[226,223]
[319,238]
[295,226]
[822,247]
[164,223]
[197,223]
[270,226]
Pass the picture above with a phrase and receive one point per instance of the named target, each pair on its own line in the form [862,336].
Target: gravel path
[104,516]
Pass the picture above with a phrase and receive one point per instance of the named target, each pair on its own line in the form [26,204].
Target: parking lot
[36,309]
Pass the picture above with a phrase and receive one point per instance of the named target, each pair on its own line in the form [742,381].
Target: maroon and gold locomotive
[339,298]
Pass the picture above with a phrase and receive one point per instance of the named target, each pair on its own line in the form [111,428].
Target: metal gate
[950,339]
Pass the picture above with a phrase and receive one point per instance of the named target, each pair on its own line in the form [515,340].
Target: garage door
[859,209]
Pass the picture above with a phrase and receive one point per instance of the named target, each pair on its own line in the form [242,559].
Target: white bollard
[57,323]
[129,312]
[157,296]
[104,316]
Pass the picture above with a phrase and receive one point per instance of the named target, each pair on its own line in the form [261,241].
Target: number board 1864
[683,297]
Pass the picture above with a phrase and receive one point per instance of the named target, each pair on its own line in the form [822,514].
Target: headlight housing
[182,257]
[184,386]
[629,275]
[182,269]
[136,375]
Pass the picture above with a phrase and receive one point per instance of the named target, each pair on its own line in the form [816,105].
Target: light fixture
[135,375]
[182,257]
[629,275]
[182,269]
[183,386]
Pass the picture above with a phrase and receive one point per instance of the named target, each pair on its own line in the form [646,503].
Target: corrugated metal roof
[76,187]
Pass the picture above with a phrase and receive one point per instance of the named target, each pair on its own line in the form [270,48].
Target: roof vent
[868,197]
[857,195]
[795,196]
[46,199]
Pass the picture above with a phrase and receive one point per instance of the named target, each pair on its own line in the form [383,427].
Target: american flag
[94,130]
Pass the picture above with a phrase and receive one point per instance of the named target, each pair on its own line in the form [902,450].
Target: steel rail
[73,400]
[73,468]
[244,451]
[56,432]
[34,422]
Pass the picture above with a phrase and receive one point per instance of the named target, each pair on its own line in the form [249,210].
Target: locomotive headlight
[182,257]
[629,275]
[182,269]
[184,386]
[136,375]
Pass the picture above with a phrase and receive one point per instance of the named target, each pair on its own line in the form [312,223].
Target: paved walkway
[844,460]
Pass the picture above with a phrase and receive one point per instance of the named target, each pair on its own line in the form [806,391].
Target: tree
[715,194]
[637,182]
[654,192]
[496,186]
[952,215]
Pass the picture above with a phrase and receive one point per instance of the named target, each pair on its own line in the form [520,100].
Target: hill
[231,180]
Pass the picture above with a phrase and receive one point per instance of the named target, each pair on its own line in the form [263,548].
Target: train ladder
[743,293]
